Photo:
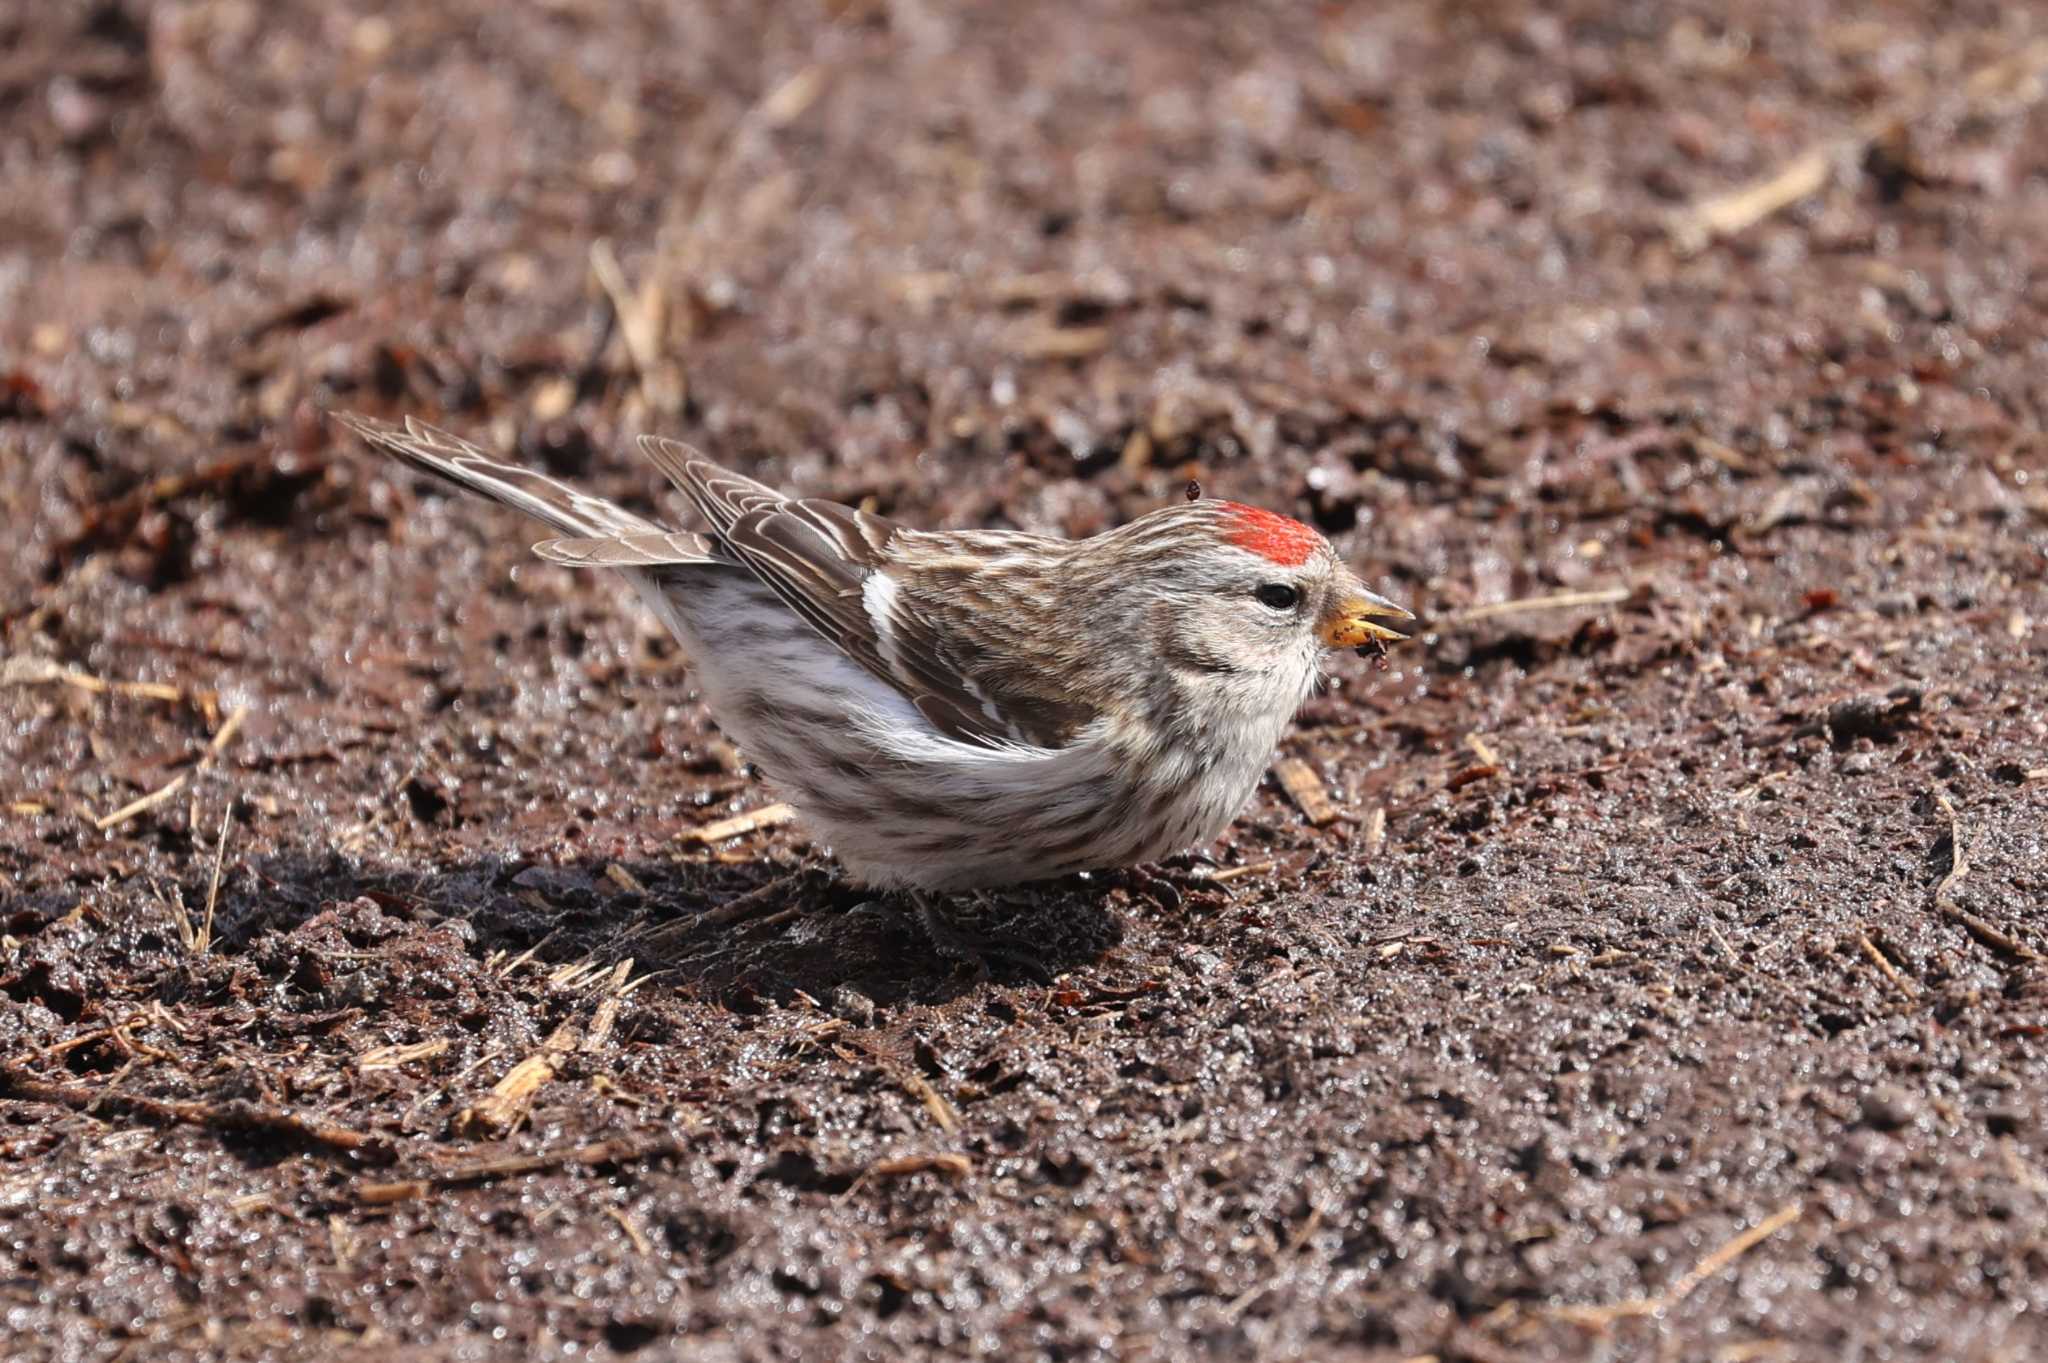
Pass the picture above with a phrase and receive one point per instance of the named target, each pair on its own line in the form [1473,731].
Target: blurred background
[1346,253]
[1681,364]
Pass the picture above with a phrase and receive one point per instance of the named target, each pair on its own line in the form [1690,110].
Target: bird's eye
[1278,595]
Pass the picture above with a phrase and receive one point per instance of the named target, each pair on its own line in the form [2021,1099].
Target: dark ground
[1689,1003]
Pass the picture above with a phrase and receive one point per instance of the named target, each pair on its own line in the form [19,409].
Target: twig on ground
[136,808]
[226,734]
[1600,1317]
[641,322]
[1991,935]
[768,816]
[523,957]
[177,783]
[1599,596]
[26,671]
[951,1165]
[732,911]
[1884,963]
[1723,215]
[934,1102]
[235,1115]
[1230,873]
[1958,860]
[202,941]
[1242,1302]
[511,1166]
[641,1246]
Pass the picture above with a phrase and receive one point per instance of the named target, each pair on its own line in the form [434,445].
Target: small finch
[955,710]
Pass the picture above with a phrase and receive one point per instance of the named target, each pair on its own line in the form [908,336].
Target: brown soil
[1671,986]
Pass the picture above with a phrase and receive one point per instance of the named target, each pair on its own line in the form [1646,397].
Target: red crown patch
[1274,538]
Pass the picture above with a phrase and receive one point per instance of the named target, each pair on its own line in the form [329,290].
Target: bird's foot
[975,930]
[1166,884]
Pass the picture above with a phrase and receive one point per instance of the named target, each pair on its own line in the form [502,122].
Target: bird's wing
[846,573]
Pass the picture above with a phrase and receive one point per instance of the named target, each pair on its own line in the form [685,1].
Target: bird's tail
[434,451]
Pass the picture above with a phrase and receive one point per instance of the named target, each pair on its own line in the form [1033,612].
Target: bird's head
[1247,595]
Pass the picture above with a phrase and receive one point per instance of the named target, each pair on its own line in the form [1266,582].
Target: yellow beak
[1349,621]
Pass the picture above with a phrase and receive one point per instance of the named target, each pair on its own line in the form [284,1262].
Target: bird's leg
[965,928]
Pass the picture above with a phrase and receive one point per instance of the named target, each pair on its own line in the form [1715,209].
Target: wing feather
[819,558]
[628,551]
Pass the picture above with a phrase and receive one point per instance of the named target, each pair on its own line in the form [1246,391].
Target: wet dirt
[1671,983]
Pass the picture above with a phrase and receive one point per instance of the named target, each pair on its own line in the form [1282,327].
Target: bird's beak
[1349,622]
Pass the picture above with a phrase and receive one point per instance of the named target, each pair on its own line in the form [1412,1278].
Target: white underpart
[744,643]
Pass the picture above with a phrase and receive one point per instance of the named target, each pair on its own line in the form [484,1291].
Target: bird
[952,711]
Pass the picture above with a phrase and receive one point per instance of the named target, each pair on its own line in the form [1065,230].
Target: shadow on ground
[737,934]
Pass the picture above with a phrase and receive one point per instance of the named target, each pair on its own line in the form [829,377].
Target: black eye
[1278,595]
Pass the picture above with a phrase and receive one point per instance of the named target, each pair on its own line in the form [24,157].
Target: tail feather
[431,450]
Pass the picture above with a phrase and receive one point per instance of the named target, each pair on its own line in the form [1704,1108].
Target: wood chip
[394,1057]
[607,1015]
[952,1166]
[1306,789]
[384,1194]
[768,816]
[601,1024]
[509,1099]
[1375,830]
[1458,780]
[1045,342]
[624,879]
[787,102]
